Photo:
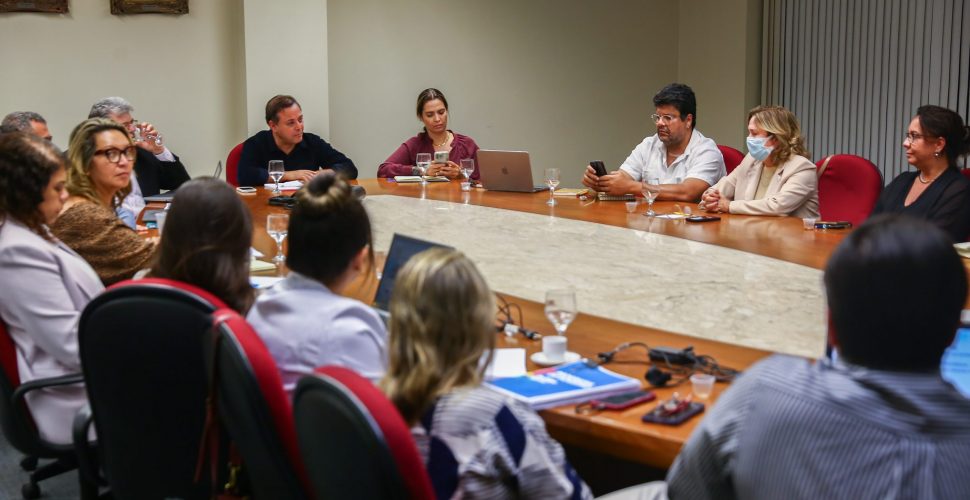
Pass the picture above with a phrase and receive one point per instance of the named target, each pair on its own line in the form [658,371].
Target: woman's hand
[450,170]
[710,199]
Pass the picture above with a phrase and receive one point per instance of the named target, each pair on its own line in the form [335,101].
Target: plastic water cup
[703,385]
[809,223]
[631,206]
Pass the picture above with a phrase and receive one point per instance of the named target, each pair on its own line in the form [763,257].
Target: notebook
[506,171]
[402,249]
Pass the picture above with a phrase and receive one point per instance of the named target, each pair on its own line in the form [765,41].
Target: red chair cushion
[396,433]
[8,356]
[232,165]
[848,188]
[270,384]
[732,157]
[965,172]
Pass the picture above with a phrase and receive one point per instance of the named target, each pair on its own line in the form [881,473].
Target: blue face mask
[757,148]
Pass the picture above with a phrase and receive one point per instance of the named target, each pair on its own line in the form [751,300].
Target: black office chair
[141,345]
[18,424]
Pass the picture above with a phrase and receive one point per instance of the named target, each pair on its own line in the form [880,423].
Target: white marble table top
[624,274]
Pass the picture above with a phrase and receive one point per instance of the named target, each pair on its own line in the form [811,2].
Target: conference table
[737,289]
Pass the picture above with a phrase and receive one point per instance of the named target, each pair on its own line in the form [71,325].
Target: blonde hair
[442,321]
[782,124]
[80,153]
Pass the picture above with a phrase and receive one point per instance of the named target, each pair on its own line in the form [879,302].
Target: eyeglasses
[665,118]
[913,137]
[114,154]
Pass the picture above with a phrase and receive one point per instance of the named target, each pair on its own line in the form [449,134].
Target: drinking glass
[651,188]
[276,170]
[276,226]
[423,160]
[552,180]
[561,308]
[468,168]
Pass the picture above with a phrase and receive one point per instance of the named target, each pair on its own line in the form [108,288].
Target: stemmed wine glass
[561,308]
[552,180]
[423,161]
[276,170]
[277,226]
[468,168]
[651,189]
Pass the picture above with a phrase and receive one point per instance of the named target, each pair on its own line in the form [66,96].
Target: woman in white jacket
[45,285]
[775,178]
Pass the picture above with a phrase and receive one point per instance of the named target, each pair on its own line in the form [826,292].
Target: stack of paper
[285,186]
[565,384]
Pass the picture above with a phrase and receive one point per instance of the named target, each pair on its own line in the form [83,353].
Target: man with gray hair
[156,167]
[27,121]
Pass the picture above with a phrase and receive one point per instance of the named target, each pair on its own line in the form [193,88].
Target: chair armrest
[33,385]
[87,458]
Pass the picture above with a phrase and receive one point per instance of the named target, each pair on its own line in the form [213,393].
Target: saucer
[540,359]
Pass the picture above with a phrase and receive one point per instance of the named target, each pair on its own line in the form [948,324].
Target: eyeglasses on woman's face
[114,154]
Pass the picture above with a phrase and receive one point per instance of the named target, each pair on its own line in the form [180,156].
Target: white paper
[508,362]
[261,282]
[285,186]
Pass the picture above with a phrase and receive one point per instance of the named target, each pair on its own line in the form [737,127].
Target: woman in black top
[937,191]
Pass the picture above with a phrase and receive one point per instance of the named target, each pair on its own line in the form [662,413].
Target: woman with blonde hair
[475,442]
[775,178]
[101,157]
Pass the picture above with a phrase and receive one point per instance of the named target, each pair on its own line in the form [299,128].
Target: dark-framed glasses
[114,154]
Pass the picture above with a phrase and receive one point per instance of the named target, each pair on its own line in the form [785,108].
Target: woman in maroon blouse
[433,112]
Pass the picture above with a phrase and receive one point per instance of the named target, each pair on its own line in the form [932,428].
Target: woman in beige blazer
[775,178]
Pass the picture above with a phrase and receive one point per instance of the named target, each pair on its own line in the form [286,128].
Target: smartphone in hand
[599,167]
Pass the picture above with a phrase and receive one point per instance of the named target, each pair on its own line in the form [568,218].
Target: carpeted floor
[12,477]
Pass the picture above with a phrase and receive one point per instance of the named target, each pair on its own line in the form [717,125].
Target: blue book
[565,384]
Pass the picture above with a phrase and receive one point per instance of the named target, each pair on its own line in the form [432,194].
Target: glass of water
[423,161]
[276,171]
[552,180]
[277,226]
[561,308]
[651,189]
[468,168]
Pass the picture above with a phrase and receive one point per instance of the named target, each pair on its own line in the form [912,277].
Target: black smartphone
[282,201]
[658,416]
[828,224]
[623,401]
[599,167]
[703,218]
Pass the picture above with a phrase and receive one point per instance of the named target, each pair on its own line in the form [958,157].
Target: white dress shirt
[305,325]
[701,160]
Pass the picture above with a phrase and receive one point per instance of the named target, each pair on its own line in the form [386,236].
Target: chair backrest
[732,157]
[965,172]
[232,165]
[255,410]
[16,422]
[353,440]
[141,346]
[848,188]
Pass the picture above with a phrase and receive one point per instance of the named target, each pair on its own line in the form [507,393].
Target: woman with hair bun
[775,178]
[935,139]
[432,110]
[475,442]
[303,320]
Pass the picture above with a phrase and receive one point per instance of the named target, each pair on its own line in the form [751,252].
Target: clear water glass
[468,168]
[277,226]
[651,189]
[552,180]
[276,170]
[561,308]
[423,161]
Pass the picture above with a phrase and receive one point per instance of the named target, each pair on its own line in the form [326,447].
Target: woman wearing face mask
[775,178]
[433,113]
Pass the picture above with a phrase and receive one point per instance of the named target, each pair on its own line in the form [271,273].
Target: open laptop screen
[402,249]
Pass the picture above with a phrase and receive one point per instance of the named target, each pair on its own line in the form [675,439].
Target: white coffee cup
[554,348]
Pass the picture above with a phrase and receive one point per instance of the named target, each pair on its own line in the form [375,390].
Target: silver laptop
[506,171]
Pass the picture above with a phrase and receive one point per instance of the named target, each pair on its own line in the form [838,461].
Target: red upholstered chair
[18,424]
[353,440]
[848,187]
[255,410]
[141,346]
[232,165]
[965,172]
[732,157]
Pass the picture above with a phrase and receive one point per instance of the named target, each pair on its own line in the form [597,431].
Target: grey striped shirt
[792,429]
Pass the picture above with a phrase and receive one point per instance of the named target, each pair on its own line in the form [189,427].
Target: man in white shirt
[683,161]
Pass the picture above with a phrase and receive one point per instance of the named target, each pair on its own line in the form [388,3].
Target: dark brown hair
[208,233]
[328,226]
[427,95]
[27,163]
[938,121]
[276,104]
